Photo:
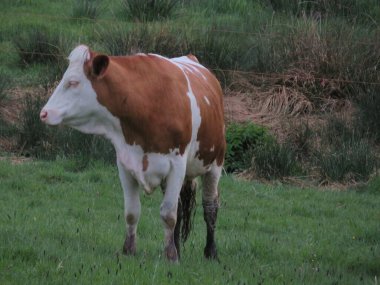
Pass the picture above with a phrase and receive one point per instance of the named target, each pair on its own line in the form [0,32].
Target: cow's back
[209,145]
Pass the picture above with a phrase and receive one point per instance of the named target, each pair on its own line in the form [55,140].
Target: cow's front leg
[132,208]
[169,206]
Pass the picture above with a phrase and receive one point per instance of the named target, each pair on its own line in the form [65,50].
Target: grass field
[59,225]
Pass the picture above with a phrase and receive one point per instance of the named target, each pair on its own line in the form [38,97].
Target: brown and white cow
[165,120]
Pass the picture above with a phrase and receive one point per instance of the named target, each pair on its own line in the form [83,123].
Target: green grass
[60,226]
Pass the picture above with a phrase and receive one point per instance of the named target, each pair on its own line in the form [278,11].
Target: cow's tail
[186,209]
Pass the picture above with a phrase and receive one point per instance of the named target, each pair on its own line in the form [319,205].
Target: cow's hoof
[211,252]
[129,247]
[171,253]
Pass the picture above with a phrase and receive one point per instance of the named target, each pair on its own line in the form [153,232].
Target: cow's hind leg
[210,201]
[132,208]
[169,207]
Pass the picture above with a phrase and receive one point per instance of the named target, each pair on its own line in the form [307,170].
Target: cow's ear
[99,65]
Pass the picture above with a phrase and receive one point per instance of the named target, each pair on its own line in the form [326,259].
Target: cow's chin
[53,120]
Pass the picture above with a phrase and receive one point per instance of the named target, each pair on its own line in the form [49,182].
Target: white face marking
[74,98]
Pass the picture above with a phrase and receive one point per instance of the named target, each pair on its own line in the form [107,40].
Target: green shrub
[85,9]
[351,9]
[32,131]
[274,161]
[374,185]
[38,44]
[213,7]
[121,39]
[217,50]
[241,139]
[368,103]
[148,10]
[353,160]
[5,84]
[336,132]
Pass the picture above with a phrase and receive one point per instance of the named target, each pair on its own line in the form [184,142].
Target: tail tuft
[188,203]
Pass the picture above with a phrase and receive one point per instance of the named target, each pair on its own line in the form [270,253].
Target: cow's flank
[165,120]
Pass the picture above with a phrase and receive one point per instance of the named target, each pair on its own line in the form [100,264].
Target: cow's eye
[72,83]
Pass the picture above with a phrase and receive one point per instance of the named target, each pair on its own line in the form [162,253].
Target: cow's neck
[105,125]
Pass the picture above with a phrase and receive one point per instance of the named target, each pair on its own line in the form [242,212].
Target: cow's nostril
[43,115]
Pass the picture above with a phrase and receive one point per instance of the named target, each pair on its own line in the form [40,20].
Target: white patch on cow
[207,101]
[194,67]
[76,105]
[194,166]
[212,149]
[131,157]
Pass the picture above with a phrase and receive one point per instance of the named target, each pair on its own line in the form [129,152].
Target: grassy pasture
[61,226]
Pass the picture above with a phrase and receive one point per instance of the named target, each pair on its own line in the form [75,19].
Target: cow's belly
[148,169]
[157,170]
[151,169]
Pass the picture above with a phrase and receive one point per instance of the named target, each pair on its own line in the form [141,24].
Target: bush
[38,140]
[212,7]
[354,160]
[120,39]
[351,9]
[368,103]
[5,84]
[38,44]
[32,131]
[85,9]
[241,139]
[148,10]
[274,161]
[374,186]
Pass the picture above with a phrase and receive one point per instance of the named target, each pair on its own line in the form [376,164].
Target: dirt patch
[16,159]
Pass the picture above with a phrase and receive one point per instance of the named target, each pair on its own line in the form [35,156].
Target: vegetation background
[302,102]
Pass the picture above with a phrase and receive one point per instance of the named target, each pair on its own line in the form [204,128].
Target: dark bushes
[38,44]
[148,10]
[85,9]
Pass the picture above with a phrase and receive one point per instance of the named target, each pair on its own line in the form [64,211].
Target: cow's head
[74,101]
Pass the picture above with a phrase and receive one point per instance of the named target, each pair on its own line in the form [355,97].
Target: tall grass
[368,102]
[85,9]
[148,10]
[39,44]
[352,161]
[362,10]
[5,84]
[122,39]
[274,161]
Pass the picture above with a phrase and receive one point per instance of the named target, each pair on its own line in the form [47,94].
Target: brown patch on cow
[148,95]
[130,219]
[145,162]
[211,131]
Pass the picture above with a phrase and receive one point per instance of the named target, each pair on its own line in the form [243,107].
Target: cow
[165,120]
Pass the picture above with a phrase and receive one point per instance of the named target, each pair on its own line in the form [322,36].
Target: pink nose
[43,115]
